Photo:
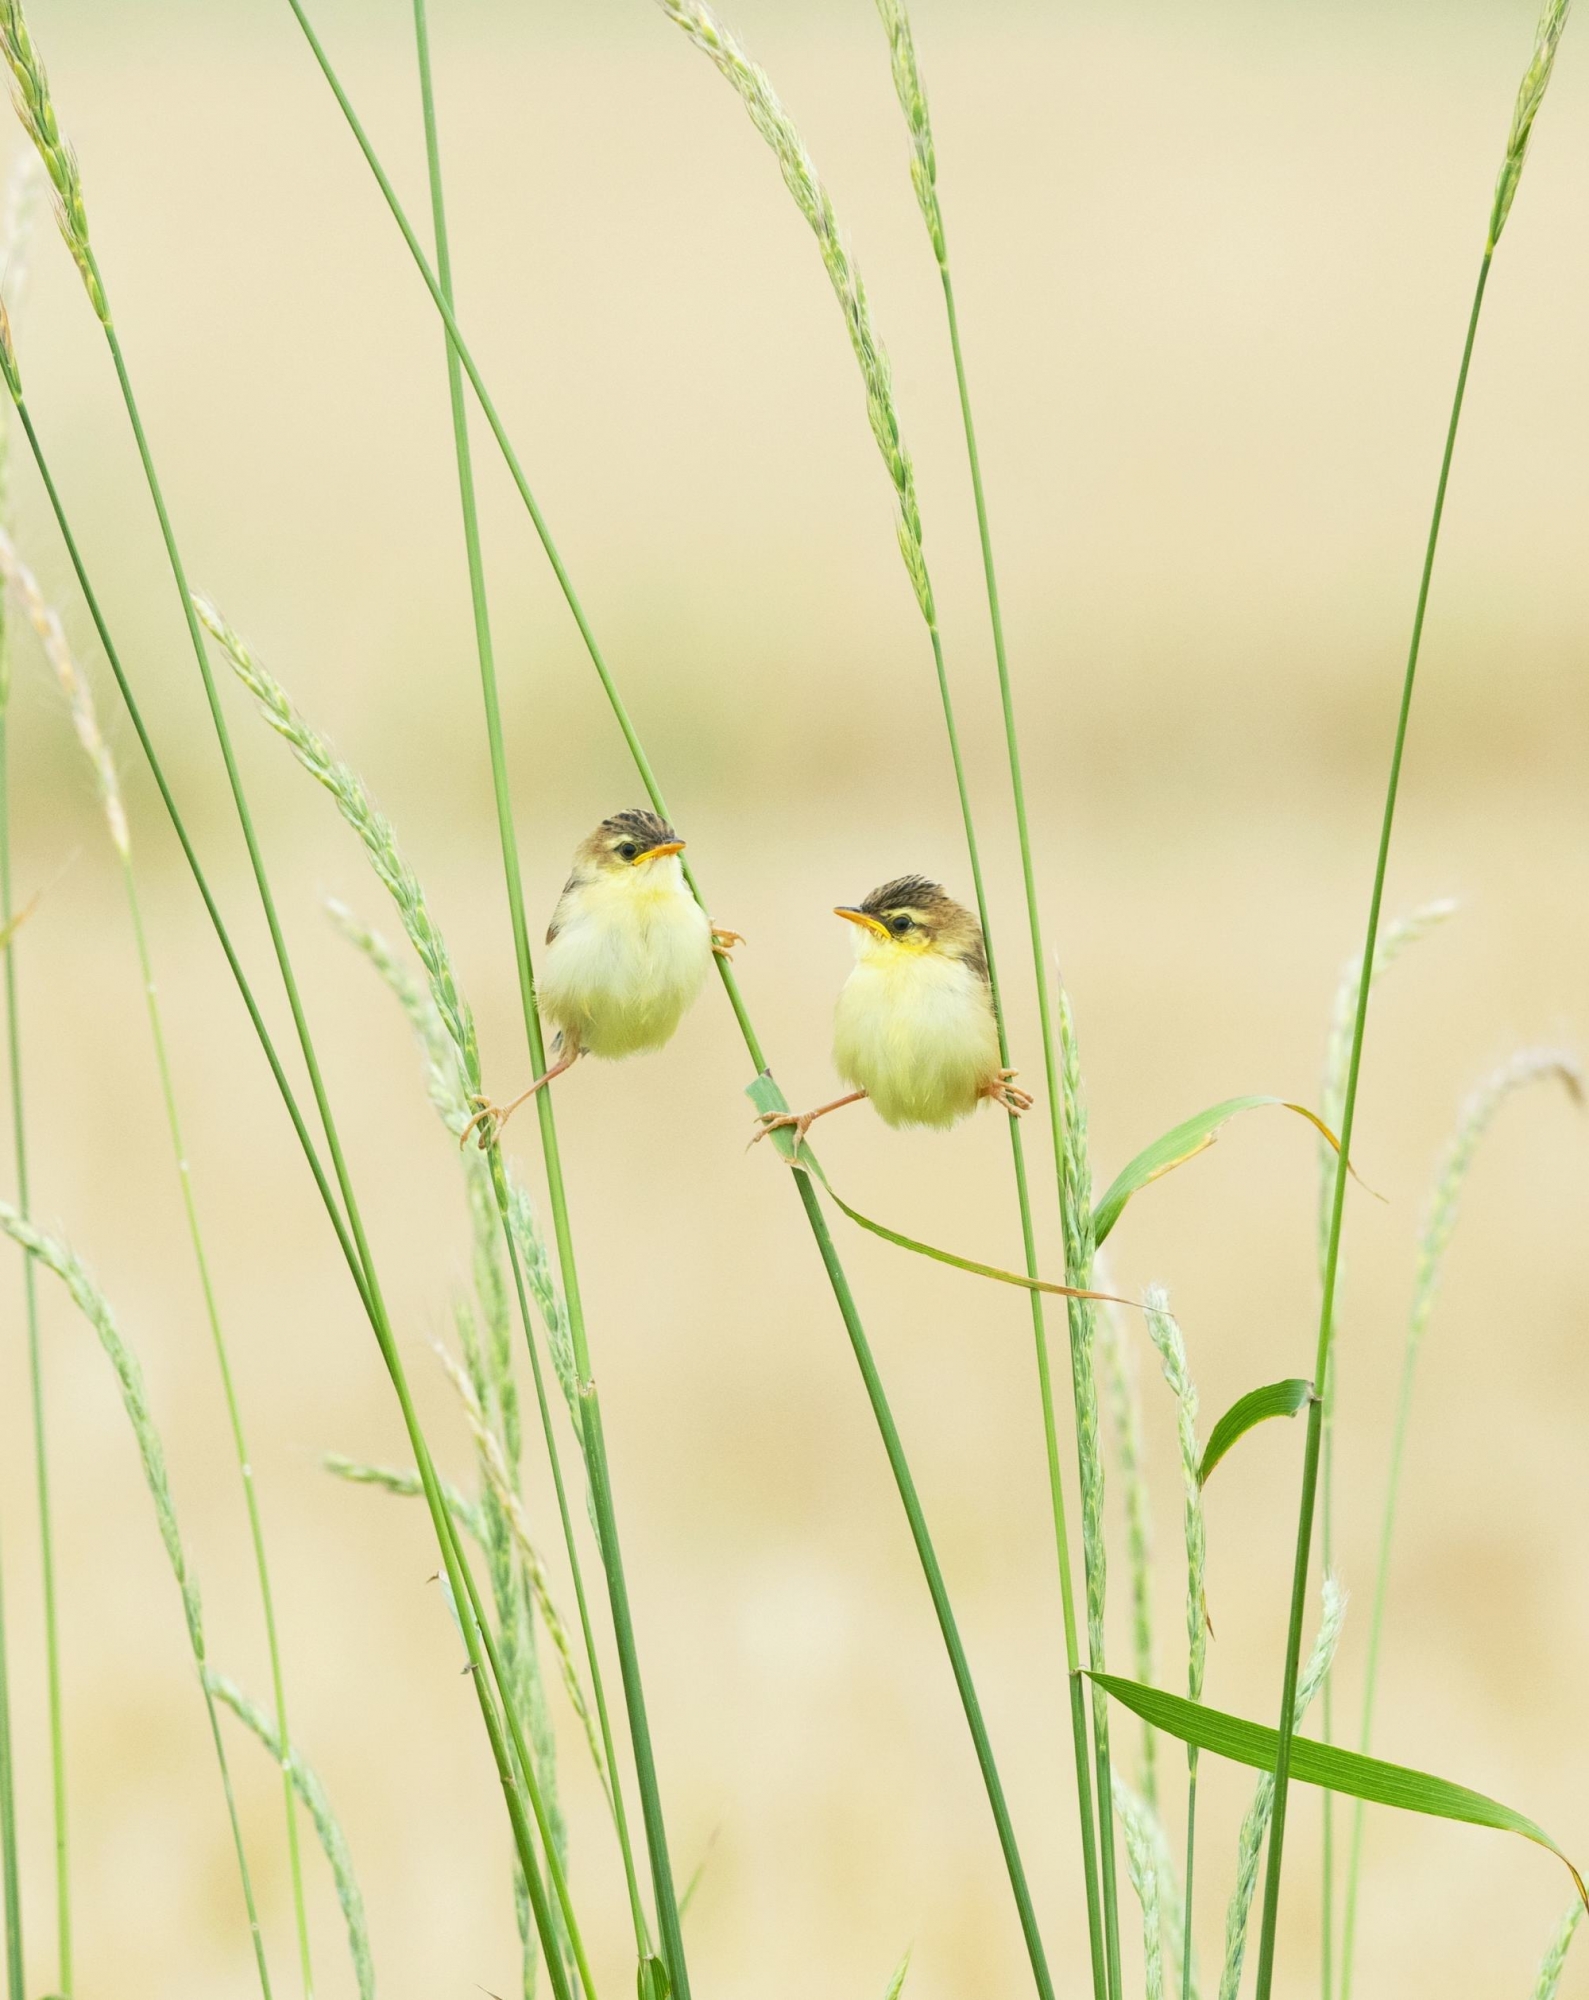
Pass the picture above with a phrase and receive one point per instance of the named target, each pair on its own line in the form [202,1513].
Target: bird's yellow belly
[918,1037]
[623,969]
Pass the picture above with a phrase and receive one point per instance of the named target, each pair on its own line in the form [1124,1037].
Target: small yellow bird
[628,950]
[915,1030]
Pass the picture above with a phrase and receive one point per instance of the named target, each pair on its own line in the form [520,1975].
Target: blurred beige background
[1214,272]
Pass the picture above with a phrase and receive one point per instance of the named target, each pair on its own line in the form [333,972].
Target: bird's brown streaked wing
[568,886]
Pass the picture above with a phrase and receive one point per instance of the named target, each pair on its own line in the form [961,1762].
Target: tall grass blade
[590,1422]
[1076,1212]
[379,841]
[10,1864]
[1393,941]
[1125,1412]
[90,1302]
[500,1483]
[341,1207]
[21,198]
[860,1346]
[1530,96]
[772,121]
[333,1842]
[1255,1824]
[20,581]
[1529,1066]
[1167,1339]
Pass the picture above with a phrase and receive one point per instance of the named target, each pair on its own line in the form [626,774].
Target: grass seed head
[30,92]
[912,95]
[775,125]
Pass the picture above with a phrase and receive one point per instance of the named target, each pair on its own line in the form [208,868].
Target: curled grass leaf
[1184,1142]
[1327,1765]
[1274,1399]
[766,1096]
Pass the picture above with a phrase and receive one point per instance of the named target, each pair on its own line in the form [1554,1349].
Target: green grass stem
[1171,1346]
[90,1302]
[74,686]
[1255,1824]
[1321,1363]
[912,95]
[333,1841]
[15,229]
[1528,1067]
[1530,96]
[348,1227]
[1126,1415]
[10,1866]
[527,1258]
[661,1868]
[642,764]
[1394,940]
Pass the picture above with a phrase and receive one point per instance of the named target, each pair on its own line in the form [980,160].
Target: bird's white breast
[915,1031]
[631,951]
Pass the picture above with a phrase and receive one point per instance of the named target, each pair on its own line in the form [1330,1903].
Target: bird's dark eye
[628,850]
[899,925]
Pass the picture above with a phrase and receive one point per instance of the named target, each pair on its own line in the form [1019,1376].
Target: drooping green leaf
[1326,1765]
[766,1096]
[1274,1399]
[1180,1144]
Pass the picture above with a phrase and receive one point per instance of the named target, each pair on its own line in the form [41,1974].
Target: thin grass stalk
[1405,931]
[35,108]
[22,190]
[1530,96]
[811,197]
[656,1837]
[1076,1217]
[872,1382]
[348,1228]
[1529,1066]
[10,1870]
[1125,1413]
[912,95]
[1254,1826]
[1166,1336]
[499,1482]
[511,1593]
[380,845]
[449,1069]
[333,1841]
[80,702]
[90,1302]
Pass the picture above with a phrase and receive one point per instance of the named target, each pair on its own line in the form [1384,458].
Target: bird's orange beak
[656,853]
[867,923]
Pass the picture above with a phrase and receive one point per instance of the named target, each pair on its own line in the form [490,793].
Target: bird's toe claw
[488,1117]
[723,941]
[776,1121]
